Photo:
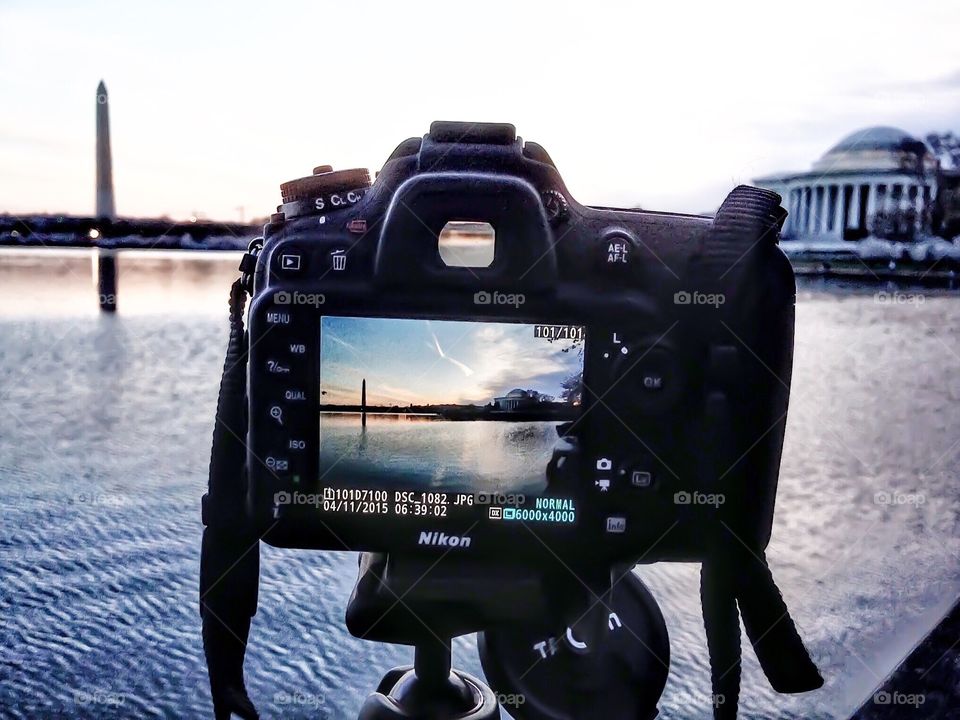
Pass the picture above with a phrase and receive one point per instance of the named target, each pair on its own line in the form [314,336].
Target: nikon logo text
[439,539]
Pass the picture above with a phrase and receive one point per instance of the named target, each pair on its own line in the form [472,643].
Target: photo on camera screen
[447,405]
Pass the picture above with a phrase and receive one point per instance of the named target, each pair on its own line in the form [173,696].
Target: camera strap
[230,549]
[736,581]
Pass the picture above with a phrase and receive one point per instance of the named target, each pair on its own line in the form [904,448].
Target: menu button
[277,317]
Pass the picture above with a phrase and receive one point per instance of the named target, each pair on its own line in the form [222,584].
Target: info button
[616,524]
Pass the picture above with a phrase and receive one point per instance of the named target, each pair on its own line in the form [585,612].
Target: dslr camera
[459,357]
[505,399]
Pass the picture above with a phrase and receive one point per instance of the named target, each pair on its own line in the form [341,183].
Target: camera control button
[615,251]
[290,262]
[330,185]
[616,524]
[276,412]
[641,478]
[650,381]
[296,445]
[338,259]
[294,395]
[279,317]
[556,206]
[277,367]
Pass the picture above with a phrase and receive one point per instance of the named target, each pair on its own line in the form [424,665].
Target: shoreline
[926,683]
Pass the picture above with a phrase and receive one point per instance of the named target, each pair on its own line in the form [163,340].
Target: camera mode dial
[326,181]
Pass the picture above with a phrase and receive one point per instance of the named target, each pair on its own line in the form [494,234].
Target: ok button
[653,379]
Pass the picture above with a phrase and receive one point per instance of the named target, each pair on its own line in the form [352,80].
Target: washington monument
[106,259]
[105,206]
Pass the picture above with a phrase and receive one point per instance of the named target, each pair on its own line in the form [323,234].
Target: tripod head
[557,645]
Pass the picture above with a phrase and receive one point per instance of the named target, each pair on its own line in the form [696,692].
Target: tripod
[430,690]
[396,601]
[412,601]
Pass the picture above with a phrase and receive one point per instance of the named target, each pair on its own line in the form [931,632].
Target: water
[105,425]
[425,451]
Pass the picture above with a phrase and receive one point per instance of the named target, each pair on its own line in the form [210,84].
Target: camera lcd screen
[420,416]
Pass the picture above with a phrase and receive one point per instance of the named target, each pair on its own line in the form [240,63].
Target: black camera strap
[736,580]
[230,550]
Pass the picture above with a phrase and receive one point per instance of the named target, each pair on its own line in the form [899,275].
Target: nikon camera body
[600,384]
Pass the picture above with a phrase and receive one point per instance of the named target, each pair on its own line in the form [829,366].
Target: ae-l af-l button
[615,250]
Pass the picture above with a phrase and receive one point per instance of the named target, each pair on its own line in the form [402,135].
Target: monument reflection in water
[444,404]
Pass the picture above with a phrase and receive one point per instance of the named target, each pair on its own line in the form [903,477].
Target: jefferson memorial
[876,181]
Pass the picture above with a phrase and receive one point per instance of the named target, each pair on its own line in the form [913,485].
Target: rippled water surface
[105,425]
[430,452]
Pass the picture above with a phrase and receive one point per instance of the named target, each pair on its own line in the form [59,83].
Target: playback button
[289,261]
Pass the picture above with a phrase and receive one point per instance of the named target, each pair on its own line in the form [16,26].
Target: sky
[436,362]
[661,105]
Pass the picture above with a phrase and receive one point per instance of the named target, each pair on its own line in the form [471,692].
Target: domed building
[875,181]
[517,399]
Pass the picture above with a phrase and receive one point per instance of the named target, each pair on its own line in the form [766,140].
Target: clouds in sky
[666,105]
[436,362]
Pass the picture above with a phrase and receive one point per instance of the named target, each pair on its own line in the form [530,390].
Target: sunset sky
[665,105]
[424,362]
